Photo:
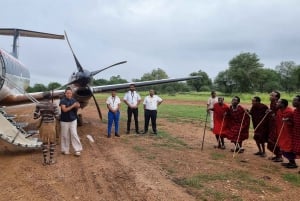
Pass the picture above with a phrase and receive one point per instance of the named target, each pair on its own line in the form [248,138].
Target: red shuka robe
[296,132]
[220,121]
[284,129]
[238,124]
[272,138]
[260,122]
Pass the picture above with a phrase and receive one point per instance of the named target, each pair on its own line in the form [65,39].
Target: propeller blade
[79,67]
[98,71]
[97,106]
[65,85]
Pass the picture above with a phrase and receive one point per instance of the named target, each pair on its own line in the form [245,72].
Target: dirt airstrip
[170,166]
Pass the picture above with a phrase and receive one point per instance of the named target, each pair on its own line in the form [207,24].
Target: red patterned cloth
[272,138]
[260,122]
[220,123]
[296,132]
[238,124]
[284,129]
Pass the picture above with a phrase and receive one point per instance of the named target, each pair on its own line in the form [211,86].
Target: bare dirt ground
[148,167]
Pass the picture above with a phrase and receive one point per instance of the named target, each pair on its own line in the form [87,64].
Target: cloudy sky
[178,36]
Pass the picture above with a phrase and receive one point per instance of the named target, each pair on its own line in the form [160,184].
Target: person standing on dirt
[272,139]
[48,112]
[238,125]
[151,102]
[220,121]
[132,99]
[296,126]
[259,112]
[284,129]
[113,105]
[68,123]
[210,104]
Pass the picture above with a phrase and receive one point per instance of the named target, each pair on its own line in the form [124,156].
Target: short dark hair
[238,98]
[284,102]
[257,99]
[277,94]
[297,97]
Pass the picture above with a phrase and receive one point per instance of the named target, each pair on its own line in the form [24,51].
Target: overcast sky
[178,36]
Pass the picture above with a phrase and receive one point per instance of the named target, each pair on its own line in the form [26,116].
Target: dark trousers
[150,114]
[135,113]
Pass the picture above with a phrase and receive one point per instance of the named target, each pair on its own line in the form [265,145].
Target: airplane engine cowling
[82,95]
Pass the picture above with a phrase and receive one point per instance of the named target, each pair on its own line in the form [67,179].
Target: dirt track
[136,167]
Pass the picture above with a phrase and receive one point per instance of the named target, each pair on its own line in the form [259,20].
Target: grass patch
[179,112]
[217,156]
[171,140]
[151,157]
[139,148]
[292,178]
[241,180]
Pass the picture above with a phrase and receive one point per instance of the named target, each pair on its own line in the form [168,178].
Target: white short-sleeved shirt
[211,101]
[151,102]
[132,98]
[113,102]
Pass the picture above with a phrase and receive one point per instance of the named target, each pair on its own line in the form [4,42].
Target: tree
[156,74]
[224,82]
[267,80]
[244,69]
[288,79]
[37,88]
[53,85]
[116,80]
[203,82]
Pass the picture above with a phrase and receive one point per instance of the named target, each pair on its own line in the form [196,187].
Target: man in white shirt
[150,110]
[132,99]
[113,105]
[210,104]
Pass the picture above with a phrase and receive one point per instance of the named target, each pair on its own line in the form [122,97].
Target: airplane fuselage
[12,74]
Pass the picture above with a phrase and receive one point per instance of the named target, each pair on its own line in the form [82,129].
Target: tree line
[245,74]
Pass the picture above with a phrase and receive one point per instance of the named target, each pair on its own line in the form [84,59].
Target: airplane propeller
[83,77]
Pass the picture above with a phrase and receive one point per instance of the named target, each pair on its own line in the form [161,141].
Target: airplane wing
[98,89]
[28,97]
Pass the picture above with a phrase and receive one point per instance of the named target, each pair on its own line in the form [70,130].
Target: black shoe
[291,165]
[137,132]
[127,132]
[117,135]
[145,132]
[263,155]
[154,132]
[223,147]
[108,136]
[285,164]
[278,160]
[258,153]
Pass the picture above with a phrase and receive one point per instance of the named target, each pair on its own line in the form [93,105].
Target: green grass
[217,156]
[292,178]
[139,148]
[182,112]
[240,179]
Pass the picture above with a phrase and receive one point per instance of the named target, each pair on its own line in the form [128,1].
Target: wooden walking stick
[262,120]
[204,131]
[237,141]
[278,139]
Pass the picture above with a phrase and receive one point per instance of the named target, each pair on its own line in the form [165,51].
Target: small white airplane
[15,79]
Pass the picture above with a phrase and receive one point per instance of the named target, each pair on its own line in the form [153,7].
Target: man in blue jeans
[113,104]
